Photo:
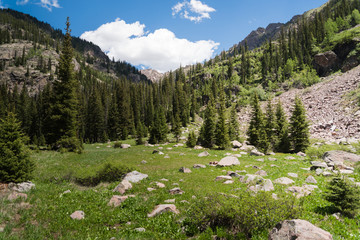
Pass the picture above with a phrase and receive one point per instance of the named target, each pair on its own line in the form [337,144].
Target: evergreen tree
[64,109]
[299,127]
[257,129]
[207,132]
[222,132]
[234,132]
[114,120]
[15,163]
[159,129]
[139,134]
[270,125]
[95,124]
[191,142]
[282,130]
[176,128]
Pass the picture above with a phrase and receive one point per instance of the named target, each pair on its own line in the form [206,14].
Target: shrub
[71,144]
[241,216]
[344,196]
[15,163]
[117,144]
[191,142]
[108,172]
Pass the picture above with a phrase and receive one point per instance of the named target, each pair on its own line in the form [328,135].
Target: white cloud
[160,50]
[187,8]
[21,2]
[49,4]
[1,4]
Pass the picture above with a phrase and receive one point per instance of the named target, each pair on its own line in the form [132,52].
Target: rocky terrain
[152,75]
[331,110]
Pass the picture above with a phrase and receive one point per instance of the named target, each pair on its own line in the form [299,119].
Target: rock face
[326,62]
[135,176]
[163,208]
[298,229]
[229,161]
[152,75]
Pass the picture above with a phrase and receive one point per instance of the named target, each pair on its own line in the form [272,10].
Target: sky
[162,34]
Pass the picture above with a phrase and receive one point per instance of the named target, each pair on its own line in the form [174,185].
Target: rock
[160,148]
[167,156]
[267,186]
[294,175]
[163,208]
[150,189]
[21,187]
[116,200]
[290,158]
[198,147]
[301,154]
[326,62]
[204,154]
[319,171]
[170,200]
[284,181]
[272,159]
[340,156]
[123,187]
[184,170]
[140,229]
[160,185]
[326,174]
[125,146]
[317,164]
[199,166]
[222,178]
[135,176]
[229,161]
[260,160]
[345,171]
[229,182]
[66,192]
[311,179]
[161,153]
[164,180]
[179,145]
[261,173]
[15,195]
[236,144]
[253,179]
[298,229]
[232,174]
[256,152]
[245,147]
[176,191]
[78,215]
[184,201]
[213,164]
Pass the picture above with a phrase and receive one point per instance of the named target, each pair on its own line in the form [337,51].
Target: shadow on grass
[326,210]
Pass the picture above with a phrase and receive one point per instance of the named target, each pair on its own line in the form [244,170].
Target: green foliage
[271,125]
[191,142]
[356,16]
[234,132]
[345,196]
[299,128]
[15,163]
[207,135]
[108,172]
[159,129]
[72,144]
[257,132]
[282,130]
[242,216]
[117,144]
[222,132]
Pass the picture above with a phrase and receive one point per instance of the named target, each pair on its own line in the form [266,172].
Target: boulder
[160,185]
[290,158]
[198,147]
[78,215]
[256,152]
[15,195]
[222,178]
[253,179]
[284,181]
[229,182]
[116,200]
[135,176]
[184,170]
[21,187]
[294,175]
[317,164]
[326,62]
[123,187]
[301,154]
[298,229]
[229,161]
[199,166]
[163,208]
[176,191]
[261,173]
[340,156]
[311,179]
[204,154]
[125,146]
[236,144]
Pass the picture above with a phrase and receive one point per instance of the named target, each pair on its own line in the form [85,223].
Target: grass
[48,214]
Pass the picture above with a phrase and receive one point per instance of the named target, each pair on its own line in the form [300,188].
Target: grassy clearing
[46,214]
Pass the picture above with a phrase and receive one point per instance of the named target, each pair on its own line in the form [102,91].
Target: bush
[191,142]
[71,144]
[108,172]
[117,144]
[15,163]
[242,216]
[344,195]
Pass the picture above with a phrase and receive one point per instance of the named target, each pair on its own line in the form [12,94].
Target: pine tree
[139,134]
[191,142]
[207,132]
[176,128]
[15,163]
[222,132]
[95,124]
[282,130]
[270,125]
[159,129]
[257,129]
[234,132]
[299,127]
[64,109]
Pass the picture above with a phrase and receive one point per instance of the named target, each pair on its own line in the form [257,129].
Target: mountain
[152,74]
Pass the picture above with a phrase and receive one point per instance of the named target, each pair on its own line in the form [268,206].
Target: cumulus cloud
[21,2]
[49,4]
[193,10]
[160,50]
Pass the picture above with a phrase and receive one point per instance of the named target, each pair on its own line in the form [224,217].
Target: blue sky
[162,34]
